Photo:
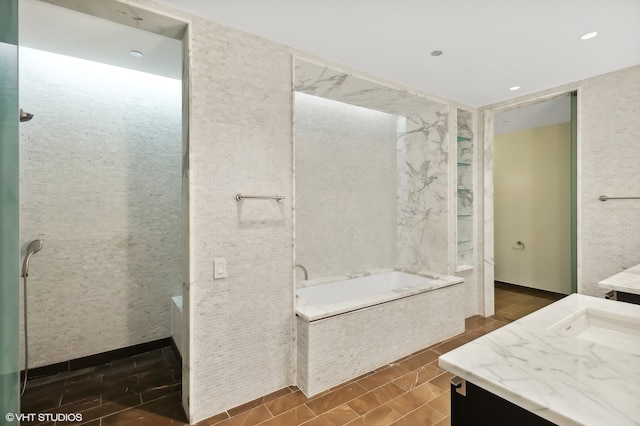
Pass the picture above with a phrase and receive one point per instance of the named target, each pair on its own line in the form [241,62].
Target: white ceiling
[44,26]
[488,45]
[542,114]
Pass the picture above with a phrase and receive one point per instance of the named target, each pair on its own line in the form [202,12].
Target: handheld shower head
[25,116]
[33,247]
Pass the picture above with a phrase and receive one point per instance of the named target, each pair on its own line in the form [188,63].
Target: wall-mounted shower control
[219,268]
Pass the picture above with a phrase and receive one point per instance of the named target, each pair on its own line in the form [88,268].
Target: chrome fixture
[33,247]
[306,274]
[25,116]
[605,198]
[277,197]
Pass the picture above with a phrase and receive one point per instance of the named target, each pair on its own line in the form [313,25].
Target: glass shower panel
[9,253]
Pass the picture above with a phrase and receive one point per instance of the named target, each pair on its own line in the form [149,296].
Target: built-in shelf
[463,267]
[464,180]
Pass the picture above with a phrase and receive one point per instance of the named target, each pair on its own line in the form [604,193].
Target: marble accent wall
[100,169]
[345,186]
[423,222]
[422,165]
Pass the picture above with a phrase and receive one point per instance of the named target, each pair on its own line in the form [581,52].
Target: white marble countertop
[627,281]
[566,380]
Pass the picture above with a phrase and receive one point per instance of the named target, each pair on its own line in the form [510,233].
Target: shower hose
[26,341]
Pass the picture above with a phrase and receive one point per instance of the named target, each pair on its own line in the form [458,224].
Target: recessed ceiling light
[588,36]
[136,53]
[514,88]
[436,53]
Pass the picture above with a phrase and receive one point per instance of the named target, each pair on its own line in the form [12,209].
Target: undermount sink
[603,327]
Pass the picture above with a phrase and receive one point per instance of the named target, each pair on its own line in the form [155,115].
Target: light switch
[219,268]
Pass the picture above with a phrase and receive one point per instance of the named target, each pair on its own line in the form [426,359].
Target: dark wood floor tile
[286,402]
[450,345]
[245,407]
[475,322]
[78,406]
[156,378]
[275,395]
[335,398]
[424,415]
[111,407]
[213,420]
[417,361]
[381,377]
[160,391]
[340,415]
[442,403]
[39,402]
[248,418]
[375,398]
[444,422]
[381,416]
[292,417]
[443,381]
[417,377]
[413,399]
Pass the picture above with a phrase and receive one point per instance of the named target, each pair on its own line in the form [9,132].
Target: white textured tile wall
[609,154]
[100,169]
[240,141]
[339,348]
[345,186]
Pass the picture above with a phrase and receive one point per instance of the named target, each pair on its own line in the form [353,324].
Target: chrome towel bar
[605,198]
[277,197]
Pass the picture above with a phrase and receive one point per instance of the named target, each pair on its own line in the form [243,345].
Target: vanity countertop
[566,380]
[627,281]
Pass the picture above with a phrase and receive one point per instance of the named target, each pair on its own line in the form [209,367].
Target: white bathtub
[348,328]
[176,321]
[321,301]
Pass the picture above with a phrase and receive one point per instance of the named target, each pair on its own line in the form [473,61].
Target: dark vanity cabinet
[472,405]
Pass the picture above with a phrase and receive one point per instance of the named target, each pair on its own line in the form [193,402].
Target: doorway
[534,195]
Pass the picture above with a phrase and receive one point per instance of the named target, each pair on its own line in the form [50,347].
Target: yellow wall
[532,204]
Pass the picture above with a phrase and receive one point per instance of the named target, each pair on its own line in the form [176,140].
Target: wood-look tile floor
[410,391]
[141,390]
[146,389]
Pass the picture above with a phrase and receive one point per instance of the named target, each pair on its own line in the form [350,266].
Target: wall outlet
[219,268]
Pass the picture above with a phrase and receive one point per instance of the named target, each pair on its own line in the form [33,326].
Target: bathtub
[350,327]
[176,321]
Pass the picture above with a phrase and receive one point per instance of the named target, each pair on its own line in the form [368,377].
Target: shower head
[33,247]
[25,116]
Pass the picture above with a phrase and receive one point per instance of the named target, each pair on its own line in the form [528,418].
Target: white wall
[532,181]
[609,154]
[240,141]
[100,167]
[345,186]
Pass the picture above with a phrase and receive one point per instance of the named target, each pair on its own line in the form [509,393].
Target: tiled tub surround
[342,345]
[566,380]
